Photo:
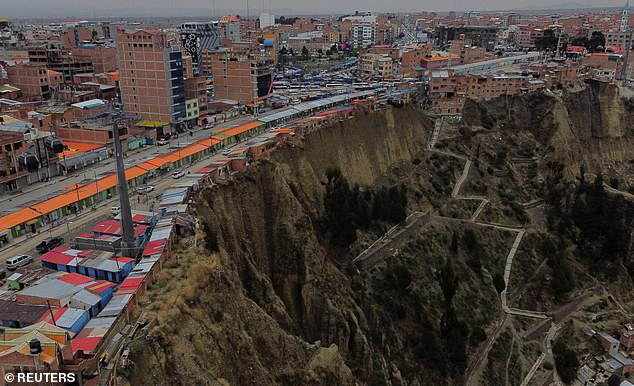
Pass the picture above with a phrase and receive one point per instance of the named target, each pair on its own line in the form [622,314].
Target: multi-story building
[32,79]
[467,52]
[151,78]
[481,36]
[241,79]
[56,58]
[102,57]
[438,62]
[411,59]
[525,37]
[266,20]
[618,40]
[376,66]
[196,38]
[363,35]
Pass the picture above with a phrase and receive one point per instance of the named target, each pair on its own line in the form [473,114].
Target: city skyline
[162,8]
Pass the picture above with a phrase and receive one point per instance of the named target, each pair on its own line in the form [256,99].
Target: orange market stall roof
[146,166]
[134,172]
[239,129]
[75,148]
[191,149]
[16,218]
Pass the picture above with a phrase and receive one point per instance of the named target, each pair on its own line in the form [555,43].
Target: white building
[363,35]
[266,20]
[361,17]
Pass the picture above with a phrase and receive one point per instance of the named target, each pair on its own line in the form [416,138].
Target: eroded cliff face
[590,127]
[260,299]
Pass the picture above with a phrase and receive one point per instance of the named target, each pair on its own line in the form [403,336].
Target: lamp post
[97,185]
[68,230]
[77,203]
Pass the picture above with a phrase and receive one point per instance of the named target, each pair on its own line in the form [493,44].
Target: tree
[305,52]
[498,282]
[596,43]
[338,216]
[566,361]
[454,243]
[448,282]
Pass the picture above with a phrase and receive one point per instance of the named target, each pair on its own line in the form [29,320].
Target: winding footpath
[476,365]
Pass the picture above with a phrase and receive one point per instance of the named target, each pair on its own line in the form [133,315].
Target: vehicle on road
[115,210]
[208,126]
[144,189]
[18,261]
[3,273]
[226,151]
[49,243]
[178,174]
[163,141]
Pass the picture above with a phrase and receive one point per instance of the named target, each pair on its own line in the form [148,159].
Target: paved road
[40,190]
[88,217]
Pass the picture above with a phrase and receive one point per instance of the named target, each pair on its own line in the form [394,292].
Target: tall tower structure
[625,15]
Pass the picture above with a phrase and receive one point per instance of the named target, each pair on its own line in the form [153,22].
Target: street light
[68,230]
[96,185]
[77,203]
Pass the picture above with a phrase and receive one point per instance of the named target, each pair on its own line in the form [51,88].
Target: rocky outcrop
[278,307]
[589,127]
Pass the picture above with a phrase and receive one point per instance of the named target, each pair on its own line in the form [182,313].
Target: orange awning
[239,129]
[16,218]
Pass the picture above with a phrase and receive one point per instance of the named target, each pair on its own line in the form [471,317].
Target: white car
[162,142]
[226,151]
[18,261]
[144,189]
[178,174]
[115,210]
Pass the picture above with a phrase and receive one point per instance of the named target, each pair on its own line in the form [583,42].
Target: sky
[136,8]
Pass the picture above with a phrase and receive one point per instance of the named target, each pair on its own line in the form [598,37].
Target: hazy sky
[103,8]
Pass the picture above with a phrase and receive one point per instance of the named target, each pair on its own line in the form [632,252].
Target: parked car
[144,189]
[18,261]
[3,273]
[163,141]
[208,126]
[226,151]
[115,210]
[178,174]
[49,243]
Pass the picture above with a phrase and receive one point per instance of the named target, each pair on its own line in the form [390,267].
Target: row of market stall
[30,219]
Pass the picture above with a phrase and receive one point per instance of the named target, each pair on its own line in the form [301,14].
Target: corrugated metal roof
[86,297]
[70,317]
[101,323]
[51,289]
[115,306]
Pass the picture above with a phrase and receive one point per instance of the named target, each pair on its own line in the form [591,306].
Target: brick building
[241,79]
[32,79]
[151,77]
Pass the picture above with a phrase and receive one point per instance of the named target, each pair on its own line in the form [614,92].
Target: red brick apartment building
[151,77]
[33,80]
[241,79]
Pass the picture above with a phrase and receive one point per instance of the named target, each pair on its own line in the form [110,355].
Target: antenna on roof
[51,312]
